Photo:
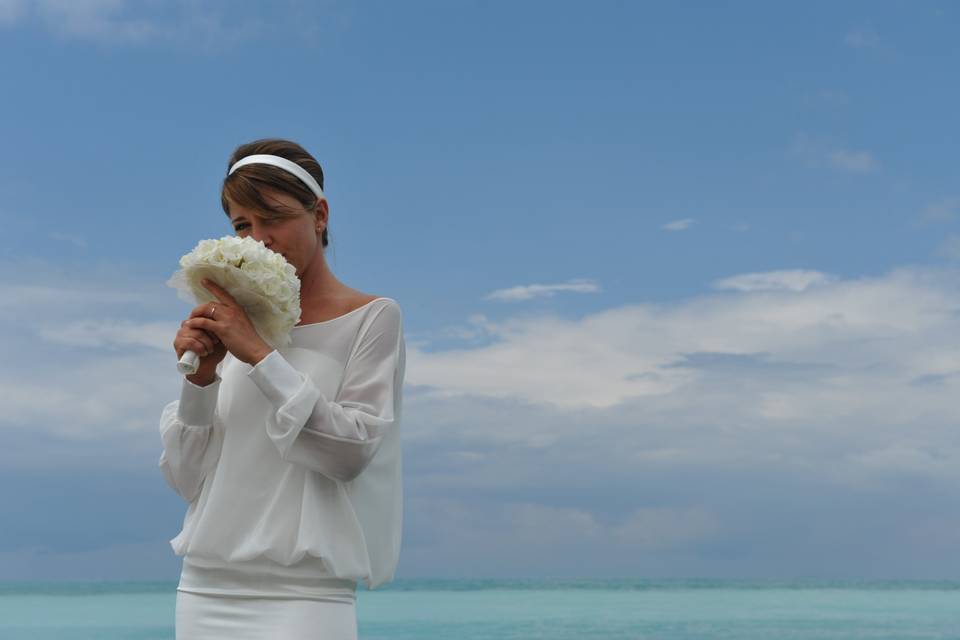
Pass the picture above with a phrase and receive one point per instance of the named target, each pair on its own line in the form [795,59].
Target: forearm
[191,442]
[337,440]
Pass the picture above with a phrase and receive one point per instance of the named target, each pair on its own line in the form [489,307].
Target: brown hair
[243,185]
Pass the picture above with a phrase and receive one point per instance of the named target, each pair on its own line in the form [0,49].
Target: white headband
[283,163]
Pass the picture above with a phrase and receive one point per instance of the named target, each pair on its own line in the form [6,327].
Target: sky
[680,281]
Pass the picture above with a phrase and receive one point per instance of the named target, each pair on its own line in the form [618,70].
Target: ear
[321,214]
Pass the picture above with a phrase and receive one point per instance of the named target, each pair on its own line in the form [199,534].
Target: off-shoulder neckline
[323,322]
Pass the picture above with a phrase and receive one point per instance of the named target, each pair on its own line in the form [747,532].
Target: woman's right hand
[206,345]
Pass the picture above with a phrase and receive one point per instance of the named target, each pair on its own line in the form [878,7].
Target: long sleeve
[191,438]
[338,437]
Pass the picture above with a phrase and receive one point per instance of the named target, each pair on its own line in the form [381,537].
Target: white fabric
[264,578]
[283,163]
[294,465]
[200,617]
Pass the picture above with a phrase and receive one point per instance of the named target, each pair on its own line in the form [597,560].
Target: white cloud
[210,25]
[77,363]
[477,326]
[855,161]
[812,349]
[529,291]
[830,98]
[96,20]
[786,280]
[643,529]
[756,399]
[679,225]
[636,351]
[531,520]
[519,537]
[89,398]
[121,22]
[75,240]
[548,360]
[944,210]
[950,247]
[109,333]
[25,295]
[125,561]
[11,11]
[862,38]
[818,152]
[654,529]
[913,458]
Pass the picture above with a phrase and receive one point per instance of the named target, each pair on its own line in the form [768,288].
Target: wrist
[201,380]
[259,355]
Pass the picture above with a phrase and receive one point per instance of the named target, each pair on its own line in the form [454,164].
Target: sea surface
[530,609]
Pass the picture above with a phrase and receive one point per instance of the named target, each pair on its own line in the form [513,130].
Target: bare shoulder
[334,307]
[390,306]
[360,299]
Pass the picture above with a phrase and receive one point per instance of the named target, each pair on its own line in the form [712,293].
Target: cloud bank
[784,410]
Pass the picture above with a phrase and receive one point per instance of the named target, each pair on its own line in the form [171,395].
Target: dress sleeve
[338,437]
[191,438]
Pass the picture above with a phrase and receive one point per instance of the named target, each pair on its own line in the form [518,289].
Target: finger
[222,294]
[203,310]
[191,339]
[213,337]
[202,323]
[188,344]
[202,337]
[189,331]
[187,339]
[200,349]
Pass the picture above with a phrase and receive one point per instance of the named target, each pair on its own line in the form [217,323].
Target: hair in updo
[243,185]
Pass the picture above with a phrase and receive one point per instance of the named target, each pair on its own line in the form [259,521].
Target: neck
[317,282]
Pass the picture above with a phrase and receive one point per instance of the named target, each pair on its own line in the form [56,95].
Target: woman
[288,459]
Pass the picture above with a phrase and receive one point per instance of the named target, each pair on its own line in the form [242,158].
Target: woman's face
[296,238]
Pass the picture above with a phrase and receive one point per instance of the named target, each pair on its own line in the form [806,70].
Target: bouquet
[261,280]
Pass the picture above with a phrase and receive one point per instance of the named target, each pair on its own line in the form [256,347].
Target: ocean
[531,609]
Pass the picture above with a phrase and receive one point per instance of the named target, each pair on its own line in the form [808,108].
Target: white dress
[291,470]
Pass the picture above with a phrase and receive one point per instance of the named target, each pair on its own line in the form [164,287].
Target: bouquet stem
[189,363]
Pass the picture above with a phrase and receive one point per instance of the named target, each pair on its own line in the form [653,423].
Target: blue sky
[679,281]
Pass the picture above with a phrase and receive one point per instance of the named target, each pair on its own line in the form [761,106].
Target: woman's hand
[208,347]
[230,325]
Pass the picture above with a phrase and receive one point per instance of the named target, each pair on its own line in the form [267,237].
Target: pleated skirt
[218,617]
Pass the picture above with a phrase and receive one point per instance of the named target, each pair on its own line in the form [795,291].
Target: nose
[259,233]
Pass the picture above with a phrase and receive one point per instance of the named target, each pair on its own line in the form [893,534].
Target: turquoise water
[510,609]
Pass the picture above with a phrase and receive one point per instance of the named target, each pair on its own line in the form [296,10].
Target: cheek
[302,247]
[309,240]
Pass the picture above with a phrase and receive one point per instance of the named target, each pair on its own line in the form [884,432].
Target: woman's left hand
[232,325]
